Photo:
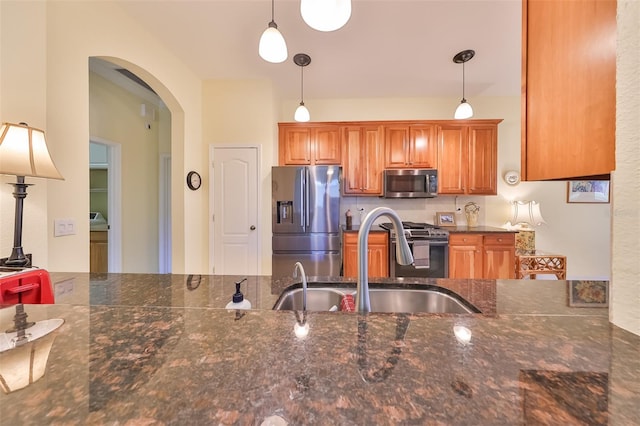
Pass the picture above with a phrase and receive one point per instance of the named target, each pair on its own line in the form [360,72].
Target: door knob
[253,228]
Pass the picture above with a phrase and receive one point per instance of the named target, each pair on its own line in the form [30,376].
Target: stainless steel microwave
[410,183]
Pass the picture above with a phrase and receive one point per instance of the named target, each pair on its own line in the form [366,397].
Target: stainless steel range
[430,247]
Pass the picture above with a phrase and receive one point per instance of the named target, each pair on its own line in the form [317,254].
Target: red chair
[29,286]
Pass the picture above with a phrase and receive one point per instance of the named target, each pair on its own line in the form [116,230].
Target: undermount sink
[426,299]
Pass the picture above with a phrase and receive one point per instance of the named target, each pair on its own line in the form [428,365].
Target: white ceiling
[389,48]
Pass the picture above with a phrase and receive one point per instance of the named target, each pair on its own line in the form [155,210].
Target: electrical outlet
[64,227]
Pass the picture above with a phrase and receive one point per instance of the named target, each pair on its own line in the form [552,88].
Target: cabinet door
[423,149]
[499,256]
[396,142]
[294,146]
[352,168]
[483,157]
[377,254]
[465,256]
[98,251]
[350,254]
[568,112]
[373,159]
[363,160]
[326,145]
[452,159]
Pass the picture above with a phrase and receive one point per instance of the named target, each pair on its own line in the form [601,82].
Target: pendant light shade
[272,47]
[302,113]
[325,15]
[464,110]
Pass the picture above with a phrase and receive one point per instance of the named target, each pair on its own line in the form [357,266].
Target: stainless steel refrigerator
[306,220]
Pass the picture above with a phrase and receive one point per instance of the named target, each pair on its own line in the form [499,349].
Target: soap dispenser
[238,301]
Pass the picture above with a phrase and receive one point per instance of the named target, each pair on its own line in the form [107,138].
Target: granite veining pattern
[161,349]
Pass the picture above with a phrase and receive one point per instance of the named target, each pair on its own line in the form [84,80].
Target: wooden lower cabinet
[482,255]
[98,251]
[377,251]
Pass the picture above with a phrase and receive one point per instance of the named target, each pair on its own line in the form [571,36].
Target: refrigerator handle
[303,199]
[307,191]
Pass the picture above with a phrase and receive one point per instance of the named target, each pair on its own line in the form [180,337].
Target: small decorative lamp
[23,152]
[526,215]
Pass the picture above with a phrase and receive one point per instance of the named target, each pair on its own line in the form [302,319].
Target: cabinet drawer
[465,239]
[499,239]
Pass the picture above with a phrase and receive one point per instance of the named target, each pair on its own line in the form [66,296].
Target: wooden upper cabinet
[483,159]
[363,160]
[569,96]
[410,146]
[452,157]
[468,158]
[303,144]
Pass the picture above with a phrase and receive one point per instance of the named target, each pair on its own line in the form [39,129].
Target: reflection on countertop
[162,348]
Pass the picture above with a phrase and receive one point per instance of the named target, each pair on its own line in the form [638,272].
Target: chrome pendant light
[272,47]
[325,15]
[464,110]
[302,113]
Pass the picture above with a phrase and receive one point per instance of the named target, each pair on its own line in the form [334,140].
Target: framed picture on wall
[445,219]
[588,191]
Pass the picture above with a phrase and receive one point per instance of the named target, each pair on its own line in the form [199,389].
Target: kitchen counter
[161,349]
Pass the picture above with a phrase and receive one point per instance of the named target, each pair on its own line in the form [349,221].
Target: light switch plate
[64,227]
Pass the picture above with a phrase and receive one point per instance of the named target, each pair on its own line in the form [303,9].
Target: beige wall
[23,79]
[115,117]
[625,285]
[48,66]
[243,113]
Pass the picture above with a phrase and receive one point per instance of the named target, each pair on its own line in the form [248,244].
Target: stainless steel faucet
[298,267]
[403,253]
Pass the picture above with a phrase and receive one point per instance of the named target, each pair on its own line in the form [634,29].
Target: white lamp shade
[272,47]
[527,213]
[24,152]
[302,114]
[325,15]
[463,111]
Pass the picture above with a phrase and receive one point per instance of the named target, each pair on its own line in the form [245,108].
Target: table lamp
[23,152]
[526,215]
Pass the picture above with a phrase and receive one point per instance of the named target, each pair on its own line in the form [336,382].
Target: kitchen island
[162,349]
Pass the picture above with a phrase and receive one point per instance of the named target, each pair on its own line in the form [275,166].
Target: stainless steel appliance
[430,247]
[410,183]
[306,220]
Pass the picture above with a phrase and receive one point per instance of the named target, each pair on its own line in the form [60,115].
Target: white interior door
[234,197]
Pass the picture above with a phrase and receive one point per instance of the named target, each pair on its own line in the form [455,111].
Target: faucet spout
[298,267]
[403,252]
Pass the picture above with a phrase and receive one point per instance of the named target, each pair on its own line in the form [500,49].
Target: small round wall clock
[193,180]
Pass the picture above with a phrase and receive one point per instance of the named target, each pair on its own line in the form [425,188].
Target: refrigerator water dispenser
[285,212]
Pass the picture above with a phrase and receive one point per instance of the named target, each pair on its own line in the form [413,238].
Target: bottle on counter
[349,219]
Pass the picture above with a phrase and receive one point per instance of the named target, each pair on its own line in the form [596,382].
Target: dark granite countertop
[479,230]
[161,349]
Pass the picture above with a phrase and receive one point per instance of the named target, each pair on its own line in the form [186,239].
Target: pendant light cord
[463,82]
[302,85]
[272,11]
